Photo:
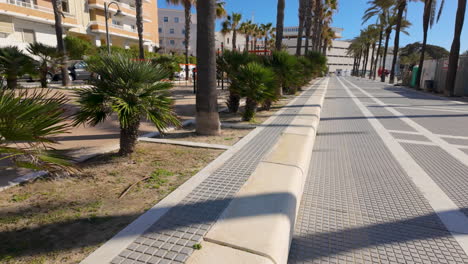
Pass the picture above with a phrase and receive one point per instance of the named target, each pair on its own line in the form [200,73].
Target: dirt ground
[62,220]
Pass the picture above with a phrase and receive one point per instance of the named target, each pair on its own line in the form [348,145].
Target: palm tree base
[207,123]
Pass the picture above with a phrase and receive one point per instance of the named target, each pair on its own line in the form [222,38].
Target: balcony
[126,9]
[30,11]
[118,30]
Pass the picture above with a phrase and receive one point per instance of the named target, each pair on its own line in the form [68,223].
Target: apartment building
[172,32]
[26,21]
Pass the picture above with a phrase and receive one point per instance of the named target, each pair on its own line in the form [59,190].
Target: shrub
[47,56]
[14,63]
[78,47]
[130,88]
[286,68]
[169,63]
[257,83]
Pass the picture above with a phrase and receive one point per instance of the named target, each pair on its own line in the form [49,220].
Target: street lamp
[107,15]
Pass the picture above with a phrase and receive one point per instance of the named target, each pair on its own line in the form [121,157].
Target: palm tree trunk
[250,109]
[316,38]
[401,10]
[279,24]
[234,38]
[353,73]
[426,18]
[384,59]
[128,137]
[44,76]
[139,24]
[207,116]
[455,50]
[265,45]
[188,20]
[308,24]
[247,39]
[57,6]
[378,52]
[359,64]
[364,64]
[12,82]
[372,60]
[302,8]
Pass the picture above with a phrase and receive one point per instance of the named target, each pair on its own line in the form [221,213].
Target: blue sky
[349,18]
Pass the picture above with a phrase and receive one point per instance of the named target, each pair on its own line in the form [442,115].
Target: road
[387,180]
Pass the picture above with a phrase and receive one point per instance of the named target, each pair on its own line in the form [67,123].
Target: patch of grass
[20,197]
[197,246]
[229,138]
[158,178]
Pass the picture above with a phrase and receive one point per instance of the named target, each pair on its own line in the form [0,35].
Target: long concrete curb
[260,231]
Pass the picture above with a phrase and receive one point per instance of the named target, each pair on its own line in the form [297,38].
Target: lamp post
[107,15]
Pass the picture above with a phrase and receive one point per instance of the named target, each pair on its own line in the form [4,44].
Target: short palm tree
[246,29]
[46,56]
[14,63]
[29,120]
[130,88]
[231,24]
[257,83]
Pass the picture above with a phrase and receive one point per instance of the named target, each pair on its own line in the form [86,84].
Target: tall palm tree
[279,24]
[187,4]
[318,14]
[302,14]
[14,63]
[401,7]
[246,29]
[255,33]
[266,30]
[455,49]
[429,17]
[47,56]
[139,25]
[207,116]
[131,89]
[308,24]
[58,14]
[231,24]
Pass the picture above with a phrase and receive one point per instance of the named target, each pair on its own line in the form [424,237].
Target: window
[227,40]
[29,36]
[166,19]
[176,20]
[172,42]
[160,42]
[183,31]
[171,31]
[132,27]
[116,23]
[160,30]
[65,7]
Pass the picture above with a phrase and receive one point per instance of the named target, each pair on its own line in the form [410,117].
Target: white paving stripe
[409,141]
[449,213]
[449,148]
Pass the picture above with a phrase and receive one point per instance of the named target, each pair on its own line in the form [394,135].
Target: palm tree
[401,7]
[14,63]
[139,24]
[188,20]
[428,22]
[30,120]
[207,116]
[131,89]
[302,14]
[257,84]
[58,14]
[246,29]
[284,67]
[308,24]
[220,10]
[231,24]
[255,33]
[455,49]
[47,56]
[279,24]
[266,30]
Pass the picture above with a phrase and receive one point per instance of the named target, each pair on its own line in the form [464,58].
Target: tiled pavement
[359,204]
[171,239]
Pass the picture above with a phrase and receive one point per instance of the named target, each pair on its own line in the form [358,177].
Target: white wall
[227,40]
[43,33]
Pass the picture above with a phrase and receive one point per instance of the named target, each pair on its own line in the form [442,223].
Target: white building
[225,40]
[172,32]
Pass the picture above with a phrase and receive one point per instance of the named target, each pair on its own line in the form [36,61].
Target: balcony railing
[121,27]
[31,5]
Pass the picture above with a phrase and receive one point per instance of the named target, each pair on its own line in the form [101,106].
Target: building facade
[172,32]
[26,21]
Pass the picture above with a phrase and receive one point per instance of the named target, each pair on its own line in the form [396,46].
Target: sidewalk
[382,187]
[172,237]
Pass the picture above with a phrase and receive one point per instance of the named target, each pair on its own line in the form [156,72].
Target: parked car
[76,71]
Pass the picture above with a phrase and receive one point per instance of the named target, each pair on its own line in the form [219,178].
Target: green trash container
[414,76]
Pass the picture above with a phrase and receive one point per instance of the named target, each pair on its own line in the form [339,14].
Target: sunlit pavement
[387,180]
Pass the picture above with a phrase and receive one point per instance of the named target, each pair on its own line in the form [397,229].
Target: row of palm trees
[251,31]
[390,16]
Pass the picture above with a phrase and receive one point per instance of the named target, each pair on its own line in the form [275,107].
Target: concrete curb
[278,182]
